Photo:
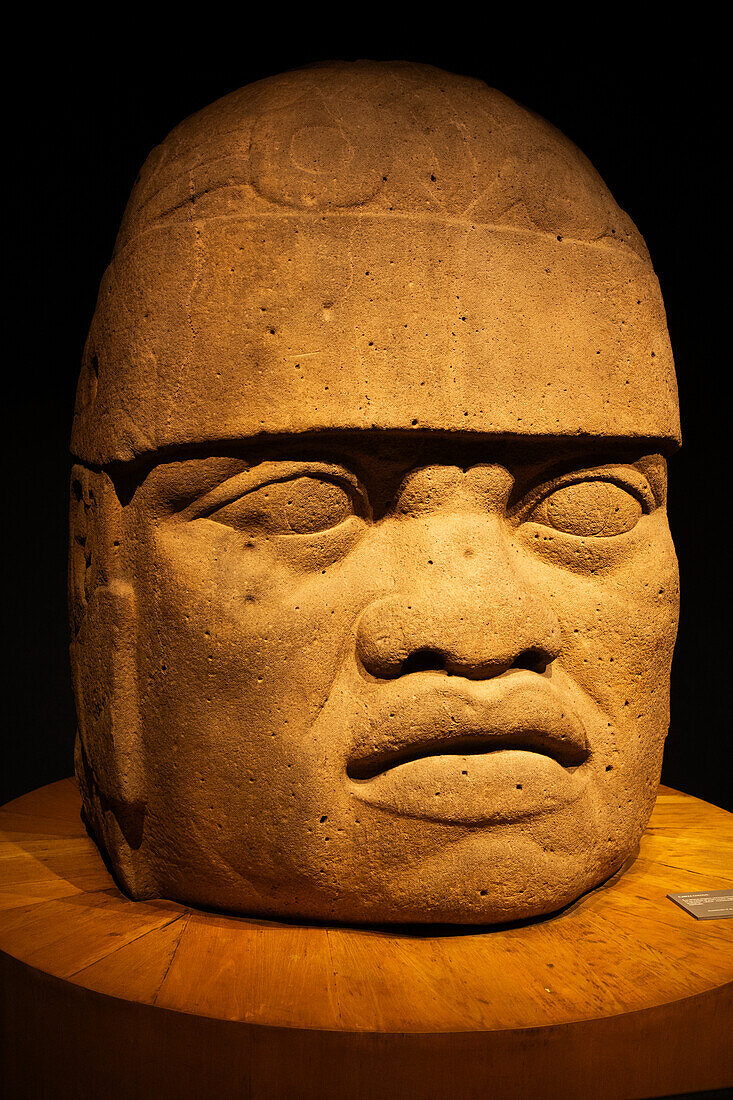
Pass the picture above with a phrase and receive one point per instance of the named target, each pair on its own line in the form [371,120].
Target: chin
[536,883]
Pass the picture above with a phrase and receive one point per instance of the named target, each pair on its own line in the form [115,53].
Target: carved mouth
[559,747]
[424,717]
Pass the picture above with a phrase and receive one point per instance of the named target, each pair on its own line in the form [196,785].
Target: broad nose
[464,605]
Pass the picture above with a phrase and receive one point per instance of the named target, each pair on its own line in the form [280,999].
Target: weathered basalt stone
[373,596]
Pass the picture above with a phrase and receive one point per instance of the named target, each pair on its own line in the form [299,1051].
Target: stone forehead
[390,138]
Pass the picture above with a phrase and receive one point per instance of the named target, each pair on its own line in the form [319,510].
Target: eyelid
[626,477]
[267,473]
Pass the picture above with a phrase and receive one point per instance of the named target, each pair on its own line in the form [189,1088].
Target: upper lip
[434,715]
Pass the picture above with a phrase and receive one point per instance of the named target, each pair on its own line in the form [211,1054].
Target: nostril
[423,660]
[533,660]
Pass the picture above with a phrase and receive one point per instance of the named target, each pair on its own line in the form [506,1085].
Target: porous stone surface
[373,596]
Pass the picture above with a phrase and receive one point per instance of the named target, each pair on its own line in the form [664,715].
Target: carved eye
[299,506]
[591,508]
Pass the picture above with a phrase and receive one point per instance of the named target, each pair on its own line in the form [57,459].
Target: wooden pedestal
[622,995]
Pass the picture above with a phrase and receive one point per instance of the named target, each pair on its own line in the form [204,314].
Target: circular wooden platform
[622,995]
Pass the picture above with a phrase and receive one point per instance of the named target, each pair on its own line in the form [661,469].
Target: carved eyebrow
[266,473]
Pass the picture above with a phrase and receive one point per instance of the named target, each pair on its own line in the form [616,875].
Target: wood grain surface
[621,995]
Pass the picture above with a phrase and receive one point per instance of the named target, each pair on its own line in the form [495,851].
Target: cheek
[240,655]
[241,647]
[619,626]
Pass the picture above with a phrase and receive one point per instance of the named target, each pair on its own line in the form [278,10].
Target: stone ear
[104,667]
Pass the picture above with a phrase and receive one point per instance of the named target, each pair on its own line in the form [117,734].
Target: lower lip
[477,789]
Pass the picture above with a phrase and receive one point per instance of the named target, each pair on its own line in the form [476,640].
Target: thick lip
[432,714]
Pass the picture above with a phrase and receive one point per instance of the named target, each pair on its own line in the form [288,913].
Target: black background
[77,127]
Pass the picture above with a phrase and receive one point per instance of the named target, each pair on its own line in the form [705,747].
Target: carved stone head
[373,595]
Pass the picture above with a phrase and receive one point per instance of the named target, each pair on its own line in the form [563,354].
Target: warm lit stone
[372,591]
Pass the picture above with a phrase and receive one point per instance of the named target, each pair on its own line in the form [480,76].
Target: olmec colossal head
[373,594]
